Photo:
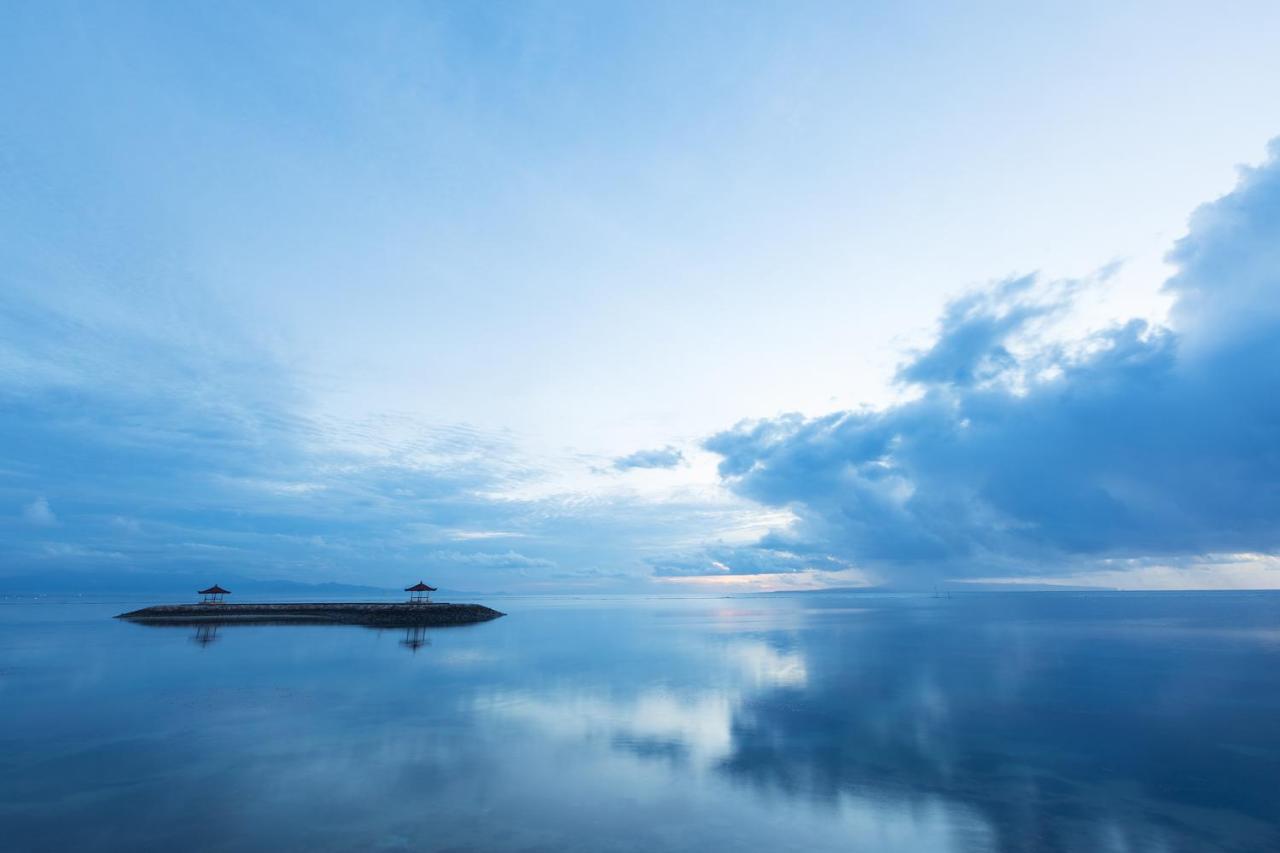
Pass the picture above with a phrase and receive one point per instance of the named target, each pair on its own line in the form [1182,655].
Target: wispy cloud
[173,457]
[745,560]
[667,457]
[39,513]
[490,560]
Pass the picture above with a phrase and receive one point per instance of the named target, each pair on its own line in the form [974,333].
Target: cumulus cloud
[976,330]
[667,457]
[1140,441]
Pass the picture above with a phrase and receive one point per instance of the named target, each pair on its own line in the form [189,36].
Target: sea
[1073,722]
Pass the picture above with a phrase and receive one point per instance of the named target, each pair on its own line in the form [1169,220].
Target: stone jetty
[373,615]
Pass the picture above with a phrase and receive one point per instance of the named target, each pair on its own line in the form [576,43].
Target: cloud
[171,457]
[1139,441]
[39,513]
[755,560]
[667,457]
[975,331]
[491,560]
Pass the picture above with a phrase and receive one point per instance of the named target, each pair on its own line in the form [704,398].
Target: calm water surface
[1009,722]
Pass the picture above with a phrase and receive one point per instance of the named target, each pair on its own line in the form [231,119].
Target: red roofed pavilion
[419,592]
[213,595]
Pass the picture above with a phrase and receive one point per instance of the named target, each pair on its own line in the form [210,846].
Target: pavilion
[419,593]
[213,595]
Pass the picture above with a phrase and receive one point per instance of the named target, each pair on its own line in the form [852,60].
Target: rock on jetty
[371,615]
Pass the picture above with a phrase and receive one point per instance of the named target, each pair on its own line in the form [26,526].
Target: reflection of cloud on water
[942,723]
[691,725]
[522,793]
[765,666]
[1067,725]
[696,728]
[997,724]
[697,732]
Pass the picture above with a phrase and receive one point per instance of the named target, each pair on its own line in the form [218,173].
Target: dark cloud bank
[1143,442]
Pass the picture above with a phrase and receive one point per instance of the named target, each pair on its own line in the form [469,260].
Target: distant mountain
[1027,587]
[176,583]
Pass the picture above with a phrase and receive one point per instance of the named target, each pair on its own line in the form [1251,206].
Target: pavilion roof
[214,590]
[419,587]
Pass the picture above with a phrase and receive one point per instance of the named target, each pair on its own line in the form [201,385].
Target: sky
[647,297]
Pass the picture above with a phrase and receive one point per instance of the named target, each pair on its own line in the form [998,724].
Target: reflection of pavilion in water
[205,634]
[415,638]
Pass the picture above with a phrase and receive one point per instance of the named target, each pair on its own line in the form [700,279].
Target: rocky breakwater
[373,615]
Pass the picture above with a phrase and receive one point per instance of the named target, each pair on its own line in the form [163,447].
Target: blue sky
[640,296]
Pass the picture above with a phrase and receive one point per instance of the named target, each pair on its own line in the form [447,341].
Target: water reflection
[205,634]
[1064,730]
[1056,723]
[415,637]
